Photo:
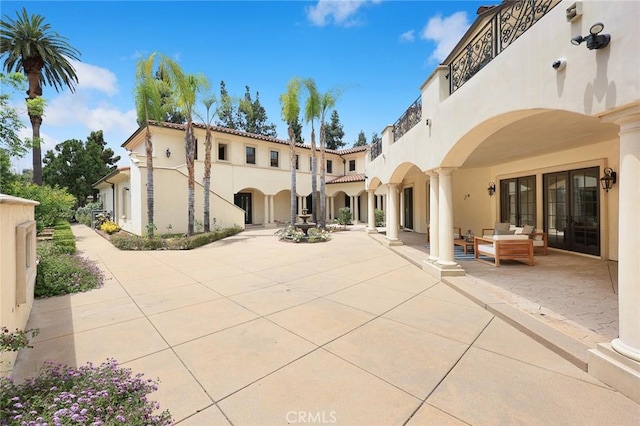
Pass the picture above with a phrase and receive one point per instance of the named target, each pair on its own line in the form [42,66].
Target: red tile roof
[357,177]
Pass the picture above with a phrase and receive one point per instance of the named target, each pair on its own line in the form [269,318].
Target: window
[274,159]
[222,152]
[250,155]
[297,162]
[195,154]
[329,166]
[352,165]
[310,163]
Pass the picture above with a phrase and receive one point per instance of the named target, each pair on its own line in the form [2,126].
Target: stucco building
[532,113]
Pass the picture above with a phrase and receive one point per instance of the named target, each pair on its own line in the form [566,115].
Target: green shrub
[55,203]
[344,215]
[379,215]
[59,272]
[104,395]
[135,242]
[83,214]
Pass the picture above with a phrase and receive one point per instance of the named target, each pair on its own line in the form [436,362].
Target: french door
[408,208]
[572,210]
[243,200]
[518,201]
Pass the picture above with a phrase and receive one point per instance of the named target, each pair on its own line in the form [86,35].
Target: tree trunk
[207,179]
[314,177]
[323,181]
[292,160]
[150,201]
[36,121]
[189,145]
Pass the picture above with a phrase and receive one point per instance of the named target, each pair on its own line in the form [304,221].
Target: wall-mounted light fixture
[608,179]
[167,153]
[594,40]
[491,189]
[427,122]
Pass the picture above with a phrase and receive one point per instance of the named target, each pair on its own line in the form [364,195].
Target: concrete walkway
[253,331]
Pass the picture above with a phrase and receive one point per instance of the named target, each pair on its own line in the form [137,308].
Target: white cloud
[341,12]
[408,36]
[94,77]
[445,32]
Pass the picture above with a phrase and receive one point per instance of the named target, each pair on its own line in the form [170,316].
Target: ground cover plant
[88,395]
[125,241]
[60,270]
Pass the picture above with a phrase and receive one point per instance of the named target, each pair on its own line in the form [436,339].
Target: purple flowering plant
[86,395]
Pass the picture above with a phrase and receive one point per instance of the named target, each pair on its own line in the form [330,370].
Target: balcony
[410,118]
[512,19]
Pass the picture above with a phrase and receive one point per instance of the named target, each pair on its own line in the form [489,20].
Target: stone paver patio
[253,331]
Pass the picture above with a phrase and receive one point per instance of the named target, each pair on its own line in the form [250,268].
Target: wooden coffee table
[464,244]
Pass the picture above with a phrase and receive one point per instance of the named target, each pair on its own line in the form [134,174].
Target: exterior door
[518,201]
[243,200]
[408,208]
[572,210]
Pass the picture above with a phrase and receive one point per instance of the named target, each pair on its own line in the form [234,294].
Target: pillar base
[392,242]
[270,225]
[438,271]
[371,230]
[615,370]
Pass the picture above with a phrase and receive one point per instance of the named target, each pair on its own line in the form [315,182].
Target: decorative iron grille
[410,118]
[513,19]
[376,149]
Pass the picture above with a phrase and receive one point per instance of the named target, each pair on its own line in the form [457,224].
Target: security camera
[559,64]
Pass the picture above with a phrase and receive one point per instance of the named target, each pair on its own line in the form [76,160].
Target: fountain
[304,226]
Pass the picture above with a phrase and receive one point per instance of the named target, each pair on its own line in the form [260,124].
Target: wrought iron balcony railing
[512,20]
[410,118]
[376,149]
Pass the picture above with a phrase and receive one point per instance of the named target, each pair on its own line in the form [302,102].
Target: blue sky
[379,52]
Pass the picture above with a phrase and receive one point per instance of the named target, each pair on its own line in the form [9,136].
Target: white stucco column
[300,206]
[266,210]
[392,213]
[434,223]
[628,342]
[304,202]
[371,205]
[272,216]
[445,218]
[356,208]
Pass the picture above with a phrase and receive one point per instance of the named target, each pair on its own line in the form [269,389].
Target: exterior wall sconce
[491,189]
[594,40]
[608,179]
[167,153]
[427,122]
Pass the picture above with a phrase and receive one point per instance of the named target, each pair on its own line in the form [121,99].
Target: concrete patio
[253,331]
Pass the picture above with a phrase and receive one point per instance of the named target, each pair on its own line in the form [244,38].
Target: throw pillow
[527,229]
[502,229]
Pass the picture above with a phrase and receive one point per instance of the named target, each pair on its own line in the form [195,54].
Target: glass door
[408,208]
[518,201]
[572,210]
[243,200]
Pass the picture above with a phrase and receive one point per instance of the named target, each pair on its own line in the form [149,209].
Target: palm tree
[327,101]
[208,102]
[43,55]
[187,87]
[311,113]
[150,105]
[290,111]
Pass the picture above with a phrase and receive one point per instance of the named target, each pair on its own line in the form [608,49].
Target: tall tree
[255,116]
[43,55]
[228,115]
[76,165]
[149,106]
[311,114]
[327,101]
[334,132]
[187,88]
[290,115]
[167,95]
[375,138]
[362,139]
[208,102]
[10,123]
[297,131]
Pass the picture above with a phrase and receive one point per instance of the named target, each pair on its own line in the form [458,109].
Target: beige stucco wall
[16,301]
